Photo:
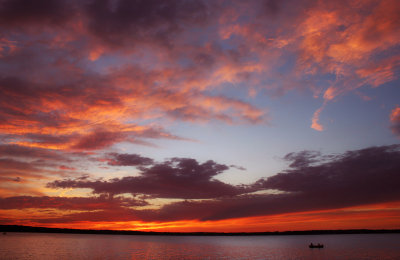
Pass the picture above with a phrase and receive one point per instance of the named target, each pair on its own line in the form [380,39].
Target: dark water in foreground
[78,246]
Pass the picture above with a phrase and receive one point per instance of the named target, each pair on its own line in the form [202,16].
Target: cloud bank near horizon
[354,178]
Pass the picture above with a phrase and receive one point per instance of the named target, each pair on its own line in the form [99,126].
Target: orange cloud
[395,115]
[344,41]
[58,118]
[380,73]
[352,43]
[315,120]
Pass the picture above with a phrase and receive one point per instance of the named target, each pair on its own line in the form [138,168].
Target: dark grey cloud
[10,165]
[118,159]
[359,177]
[177,178]
[370,172]
[22,163]
[127,22]
[13,150]
[69,203]
[28,12]
[302,159]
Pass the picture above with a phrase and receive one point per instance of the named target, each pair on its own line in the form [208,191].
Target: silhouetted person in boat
[316,246]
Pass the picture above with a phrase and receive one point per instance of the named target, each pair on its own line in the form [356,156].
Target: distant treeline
[17,228]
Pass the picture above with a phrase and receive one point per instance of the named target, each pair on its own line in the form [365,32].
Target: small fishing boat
[316,246]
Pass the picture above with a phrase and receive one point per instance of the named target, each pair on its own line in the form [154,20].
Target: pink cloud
[315,120]
[395,121]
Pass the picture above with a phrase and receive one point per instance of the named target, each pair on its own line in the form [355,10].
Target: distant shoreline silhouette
[18,228]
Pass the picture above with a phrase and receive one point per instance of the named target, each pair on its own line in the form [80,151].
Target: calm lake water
[76,246]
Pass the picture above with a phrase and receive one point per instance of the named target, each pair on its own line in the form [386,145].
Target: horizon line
[32,229]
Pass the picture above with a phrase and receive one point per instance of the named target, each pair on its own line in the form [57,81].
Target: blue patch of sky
[350,123]
[353,123]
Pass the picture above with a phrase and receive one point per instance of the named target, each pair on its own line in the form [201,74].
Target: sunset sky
[190,115]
